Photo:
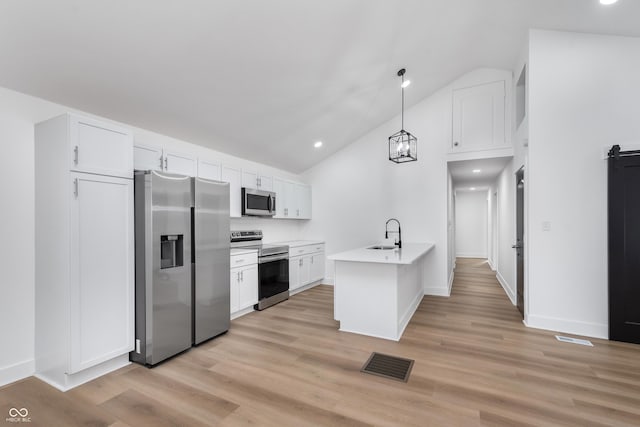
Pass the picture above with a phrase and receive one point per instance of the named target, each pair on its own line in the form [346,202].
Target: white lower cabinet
[306,265]
[244,282]
[317,267]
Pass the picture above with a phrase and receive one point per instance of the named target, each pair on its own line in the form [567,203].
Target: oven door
[273,275]
[258,202]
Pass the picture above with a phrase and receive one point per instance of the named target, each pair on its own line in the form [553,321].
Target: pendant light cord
[402,113]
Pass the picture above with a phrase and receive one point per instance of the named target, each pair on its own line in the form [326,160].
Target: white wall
[471,224]
[357,189]
[584,92]
[506,218]
[18,114]
[492,215]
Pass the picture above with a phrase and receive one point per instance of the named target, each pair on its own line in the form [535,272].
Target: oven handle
[270,258]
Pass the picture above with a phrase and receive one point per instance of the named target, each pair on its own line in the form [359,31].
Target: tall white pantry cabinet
[84,249]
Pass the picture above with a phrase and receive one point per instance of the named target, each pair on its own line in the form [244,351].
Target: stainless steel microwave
[258,202]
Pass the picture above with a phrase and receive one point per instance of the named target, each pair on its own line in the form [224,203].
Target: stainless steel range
[273,267]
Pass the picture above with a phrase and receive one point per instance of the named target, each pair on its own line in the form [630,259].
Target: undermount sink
[382,247]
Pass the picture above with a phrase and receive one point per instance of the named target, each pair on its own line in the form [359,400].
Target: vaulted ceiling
[265,79]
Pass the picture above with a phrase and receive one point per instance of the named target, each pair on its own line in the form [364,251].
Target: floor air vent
[386,366]
[574,340]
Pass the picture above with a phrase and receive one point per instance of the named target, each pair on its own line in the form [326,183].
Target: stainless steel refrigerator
[211,269]
[182,273]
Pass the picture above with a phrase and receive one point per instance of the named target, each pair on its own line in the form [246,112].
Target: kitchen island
[377,291]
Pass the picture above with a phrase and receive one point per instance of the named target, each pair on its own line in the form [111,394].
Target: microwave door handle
[272,203]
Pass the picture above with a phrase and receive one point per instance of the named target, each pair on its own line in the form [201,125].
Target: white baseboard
[18,371]
[328,281]
[507,289]
[568,326]
[471,255]
[493,268]
[437,291]
[242,312]
[451,277]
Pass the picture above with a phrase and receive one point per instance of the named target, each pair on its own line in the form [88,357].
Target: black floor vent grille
[386,366]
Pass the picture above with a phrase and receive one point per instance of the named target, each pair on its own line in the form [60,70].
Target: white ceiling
[463,176]
[264,79]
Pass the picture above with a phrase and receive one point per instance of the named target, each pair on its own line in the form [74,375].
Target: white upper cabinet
[284,196]
[149,157]
[101,148]
[179,163]
[234,177]
[209,170]
[479,117]
[256,181]
[293,200]
[303,201]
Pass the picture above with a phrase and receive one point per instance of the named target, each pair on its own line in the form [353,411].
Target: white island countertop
[409,253]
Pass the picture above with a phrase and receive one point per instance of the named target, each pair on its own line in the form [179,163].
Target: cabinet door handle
[75,155]
[455,144]
[242,276]
[75,187]
[238,276]
[297,212]
[166,163]
[311,260]
[160,162]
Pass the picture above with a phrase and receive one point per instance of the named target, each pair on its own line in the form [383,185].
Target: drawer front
[242,260]
[307,249]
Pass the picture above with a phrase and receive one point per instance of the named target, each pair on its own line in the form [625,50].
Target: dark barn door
[624,245]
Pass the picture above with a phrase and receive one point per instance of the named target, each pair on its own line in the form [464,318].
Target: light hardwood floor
[475,364]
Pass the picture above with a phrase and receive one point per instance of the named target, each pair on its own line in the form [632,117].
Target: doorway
[519,246]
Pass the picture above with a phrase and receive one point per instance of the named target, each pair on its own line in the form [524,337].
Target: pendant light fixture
[403,147]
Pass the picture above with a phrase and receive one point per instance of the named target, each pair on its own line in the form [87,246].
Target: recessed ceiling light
[607,2]
[405,83]
[318,144]
[472,188]
[476,171]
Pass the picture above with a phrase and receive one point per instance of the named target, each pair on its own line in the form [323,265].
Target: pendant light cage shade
[403,147]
